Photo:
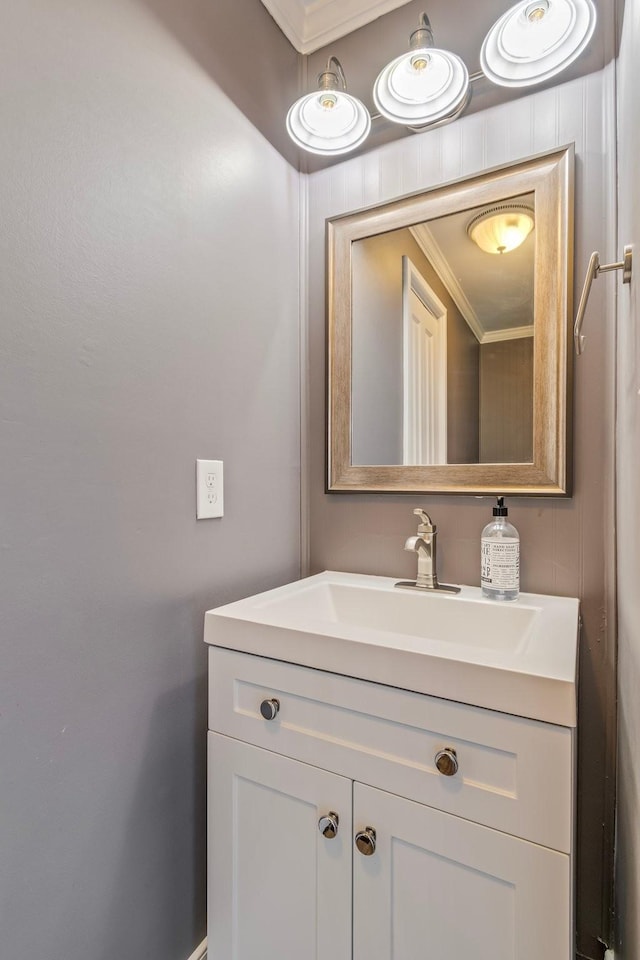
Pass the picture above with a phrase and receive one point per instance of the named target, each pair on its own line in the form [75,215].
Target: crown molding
[431,249]
[309,26]
[511,333]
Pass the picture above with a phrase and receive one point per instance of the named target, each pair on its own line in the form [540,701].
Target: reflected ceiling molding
[312,25]
[511,333]
[433,252]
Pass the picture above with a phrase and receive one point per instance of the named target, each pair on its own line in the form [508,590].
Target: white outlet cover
[209,489]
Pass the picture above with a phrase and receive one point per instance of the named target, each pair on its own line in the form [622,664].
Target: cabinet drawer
[514,774]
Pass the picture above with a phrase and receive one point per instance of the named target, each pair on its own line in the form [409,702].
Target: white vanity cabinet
[277,888]
[475,861]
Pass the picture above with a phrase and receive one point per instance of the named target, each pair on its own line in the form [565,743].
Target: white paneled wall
[628,832]
[566,547]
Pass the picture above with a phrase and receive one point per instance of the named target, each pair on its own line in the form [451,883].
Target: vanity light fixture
[425,85]
[533,41]
[501,228]
[329,121]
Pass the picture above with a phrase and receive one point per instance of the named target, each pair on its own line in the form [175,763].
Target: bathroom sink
[518,657]
[373,606]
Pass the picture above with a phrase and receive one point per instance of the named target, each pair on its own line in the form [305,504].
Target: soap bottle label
[500,564]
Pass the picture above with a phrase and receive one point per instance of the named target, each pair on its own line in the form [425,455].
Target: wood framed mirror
[449,321]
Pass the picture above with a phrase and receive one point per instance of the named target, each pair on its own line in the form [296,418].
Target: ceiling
[311,24]
[493,293]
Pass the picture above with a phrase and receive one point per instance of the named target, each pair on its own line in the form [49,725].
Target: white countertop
[518,657]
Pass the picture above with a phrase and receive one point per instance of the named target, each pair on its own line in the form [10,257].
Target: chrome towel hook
[593,270]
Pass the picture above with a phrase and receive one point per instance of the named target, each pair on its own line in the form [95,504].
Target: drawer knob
[366,841]
[269,708]
[447,762]
[328,825]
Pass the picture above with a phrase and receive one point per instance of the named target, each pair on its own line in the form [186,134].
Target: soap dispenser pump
[500,557]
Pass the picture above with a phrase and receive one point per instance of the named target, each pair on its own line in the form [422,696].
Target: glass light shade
[328,122]
[501,229]
[535,40]
[421,87]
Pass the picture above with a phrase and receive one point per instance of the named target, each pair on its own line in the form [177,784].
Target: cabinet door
[277,887]
[440,886]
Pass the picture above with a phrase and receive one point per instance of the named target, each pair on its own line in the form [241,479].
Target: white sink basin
[518,657]
[373,605]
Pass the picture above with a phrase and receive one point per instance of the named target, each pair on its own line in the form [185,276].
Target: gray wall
[376,365]
[463,384]
[239,44]
[628,527]
[566,544]
[506,401]
[149,316]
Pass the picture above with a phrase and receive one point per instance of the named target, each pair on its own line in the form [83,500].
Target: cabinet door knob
[447,762]
[328,825]
[269,708]
[366,841]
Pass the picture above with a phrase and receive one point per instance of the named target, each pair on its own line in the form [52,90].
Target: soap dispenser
[500,557]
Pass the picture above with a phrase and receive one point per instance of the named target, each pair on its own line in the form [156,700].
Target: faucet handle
[425,525]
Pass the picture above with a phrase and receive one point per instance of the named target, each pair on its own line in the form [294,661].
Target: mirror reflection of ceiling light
[533,41]
[502,228]
[329,121]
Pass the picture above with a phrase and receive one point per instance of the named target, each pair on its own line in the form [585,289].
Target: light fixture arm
[423,36]
[332,78]
[594,269]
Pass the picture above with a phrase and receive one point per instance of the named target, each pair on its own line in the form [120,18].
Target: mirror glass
[442,335]
[448,324]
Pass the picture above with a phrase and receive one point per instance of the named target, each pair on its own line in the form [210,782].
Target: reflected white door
[443,887]
[277,887]
[424,371]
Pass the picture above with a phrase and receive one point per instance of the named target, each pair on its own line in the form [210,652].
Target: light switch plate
[209,489]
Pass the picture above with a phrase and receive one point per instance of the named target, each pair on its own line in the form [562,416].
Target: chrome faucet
[424,544]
